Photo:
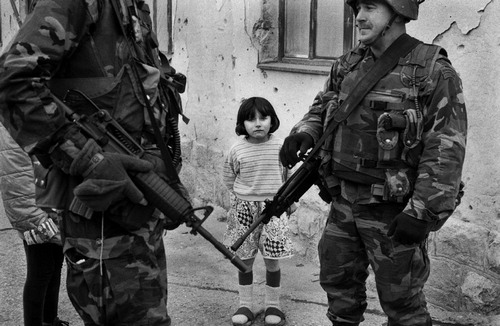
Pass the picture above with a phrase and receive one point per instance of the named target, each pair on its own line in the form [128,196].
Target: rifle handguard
[159,194]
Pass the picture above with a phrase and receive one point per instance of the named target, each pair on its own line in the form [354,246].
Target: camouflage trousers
[355,236]
[130,289]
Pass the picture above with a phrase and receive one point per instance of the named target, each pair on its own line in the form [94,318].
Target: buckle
[380,190]
[377,190]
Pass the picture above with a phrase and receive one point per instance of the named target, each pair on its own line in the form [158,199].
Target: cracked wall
[466,252]
[469,244]
[465,14]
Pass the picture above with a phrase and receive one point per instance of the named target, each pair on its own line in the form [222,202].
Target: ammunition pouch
[53,188]
[398,186]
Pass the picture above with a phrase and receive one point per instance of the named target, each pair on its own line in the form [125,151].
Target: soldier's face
[372,18]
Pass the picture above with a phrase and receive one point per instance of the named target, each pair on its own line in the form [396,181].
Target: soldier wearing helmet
[393,166]
[405,8]
[389,27]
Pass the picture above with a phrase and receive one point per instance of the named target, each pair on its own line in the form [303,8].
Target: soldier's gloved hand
[408,230]
[106,180]
[300,141]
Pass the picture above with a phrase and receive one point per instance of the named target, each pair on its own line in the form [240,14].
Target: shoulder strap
[16,13]
[167,159]
[387,61]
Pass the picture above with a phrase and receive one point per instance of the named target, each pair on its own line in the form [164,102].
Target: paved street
[202,285]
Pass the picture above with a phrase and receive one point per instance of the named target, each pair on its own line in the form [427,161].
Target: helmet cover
[405,8]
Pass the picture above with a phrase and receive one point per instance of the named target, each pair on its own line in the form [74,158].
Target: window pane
[297,28]
[330,28]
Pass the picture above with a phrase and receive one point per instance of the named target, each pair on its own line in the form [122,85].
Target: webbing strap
[171,172]
[387,61]
[16,13]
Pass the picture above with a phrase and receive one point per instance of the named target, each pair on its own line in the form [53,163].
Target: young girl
[253,173]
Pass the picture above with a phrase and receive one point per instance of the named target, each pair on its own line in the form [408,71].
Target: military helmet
[406,8]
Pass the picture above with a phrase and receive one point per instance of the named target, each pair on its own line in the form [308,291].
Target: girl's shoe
[271,317]
[238,318]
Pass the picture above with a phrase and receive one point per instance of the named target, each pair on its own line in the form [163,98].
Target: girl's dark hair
[247,112]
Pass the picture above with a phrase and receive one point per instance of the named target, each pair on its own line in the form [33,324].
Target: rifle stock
[113,138]
[291,191]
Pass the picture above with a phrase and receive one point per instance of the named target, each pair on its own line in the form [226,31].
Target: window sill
[295,67]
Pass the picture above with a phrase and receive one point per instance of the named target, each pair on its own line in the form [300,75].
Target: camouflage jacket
[80,42]
[435,160]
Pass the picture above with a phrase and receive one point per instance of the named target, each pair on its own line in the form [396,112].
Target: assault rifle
[291,191]
[100,126]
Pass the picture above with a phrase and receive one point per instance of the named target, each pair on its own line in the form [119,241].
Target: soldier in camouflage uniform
[112,238]
[393,167]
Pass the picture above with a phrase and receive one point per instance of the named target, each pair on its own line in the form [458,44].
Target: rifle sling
[387,61]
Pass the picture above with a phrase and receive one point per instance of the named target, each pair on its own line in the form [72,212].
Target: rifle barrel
[252,227]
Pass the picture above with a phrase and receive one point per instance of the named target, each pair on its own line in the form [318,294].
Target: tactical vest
[100,68]
[379,143]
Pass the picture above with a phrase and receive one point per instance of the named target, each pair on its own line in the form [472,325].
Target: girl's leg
[274,316]
[245,290]
[241,215]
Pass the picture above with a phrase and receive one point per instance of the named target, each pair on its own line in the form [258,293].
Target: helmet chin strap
[389,24]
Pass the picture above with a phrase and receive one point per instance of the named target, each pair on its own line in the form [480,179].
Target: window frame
[170,28]
[311,65]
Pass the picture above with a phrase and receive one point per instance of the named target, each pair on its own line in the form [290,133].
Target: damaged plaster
[465,13]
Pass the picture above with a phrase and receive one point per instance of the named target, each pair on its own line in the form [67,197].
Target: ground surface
[203,288]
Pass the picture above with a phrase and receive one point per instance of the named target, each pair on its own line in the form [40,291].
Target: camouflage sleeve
[444,140]
[313,121]
[48,36]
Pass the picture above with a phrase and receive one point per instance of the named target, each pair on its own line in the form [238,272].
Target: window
[161,15]
[310,34]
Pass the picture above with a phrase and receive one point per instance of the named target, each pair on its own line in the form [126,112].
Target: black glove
[296,142]
[106,178]
[408,230]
